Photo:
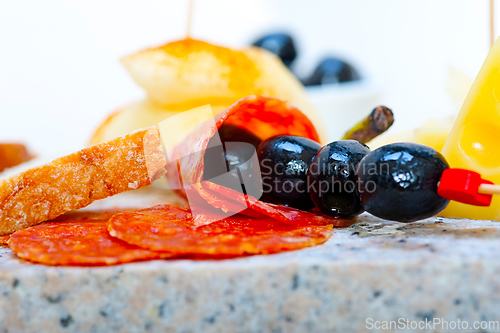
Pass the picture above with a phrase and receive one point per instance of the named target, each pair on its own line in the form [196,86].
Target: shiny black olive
[399,182]
[332,70]
[332,178]
[230,163]
[284,162]
[280,44]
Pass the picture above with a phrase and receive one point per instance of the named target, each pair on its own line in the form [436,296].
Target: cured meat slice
[287,215]
[172,230]
[81,241]
[12,154]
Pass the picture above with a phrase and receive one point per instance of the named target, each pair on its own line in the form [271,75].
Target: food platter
[177,215]
[436,268]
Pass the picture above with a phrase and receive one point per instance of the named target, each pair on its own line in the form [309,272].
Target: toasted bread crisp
[77,180]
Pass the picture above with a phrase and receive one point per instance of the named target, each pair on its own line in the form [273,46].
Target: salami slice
[82,241]
[172,230]
[287,215]
[264,117]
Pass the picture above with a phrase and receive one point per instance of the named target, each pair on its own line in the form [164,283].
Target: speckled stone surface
[437,268]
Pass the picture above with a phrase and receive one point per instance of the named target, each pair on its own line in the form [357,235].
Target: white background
[59,60]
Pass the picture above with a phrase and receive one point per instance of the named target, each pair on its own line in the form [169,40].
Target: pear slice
[189,73]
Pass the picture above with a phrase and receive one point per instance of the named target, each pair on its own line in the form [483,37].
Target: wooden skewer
[492,22]
[489,189]
[190,18]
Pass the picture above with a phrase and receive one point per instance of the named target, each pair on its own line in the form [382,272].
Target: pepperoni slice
[172,230]
[287,215]
[83,241]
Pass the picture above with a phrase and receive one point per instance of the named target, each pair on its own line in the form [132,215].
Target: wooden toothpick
[492,22]
[489,189]
[189,20]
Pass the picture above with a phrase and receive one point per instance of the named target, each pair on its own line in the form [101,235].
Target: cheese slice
[474,141]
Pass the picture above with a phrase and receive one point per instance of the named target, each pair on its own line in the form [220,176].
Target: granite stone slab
[436,268]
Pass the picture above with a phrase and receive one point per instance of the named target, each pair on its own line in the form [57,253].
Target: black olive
[399,182]
[332,70]
[230,163]
[231,133]
[284,162]
[280,44]
[332,178]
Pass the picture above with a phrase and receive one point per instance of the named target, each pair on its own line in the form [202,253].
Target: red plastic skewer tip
[463,186]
